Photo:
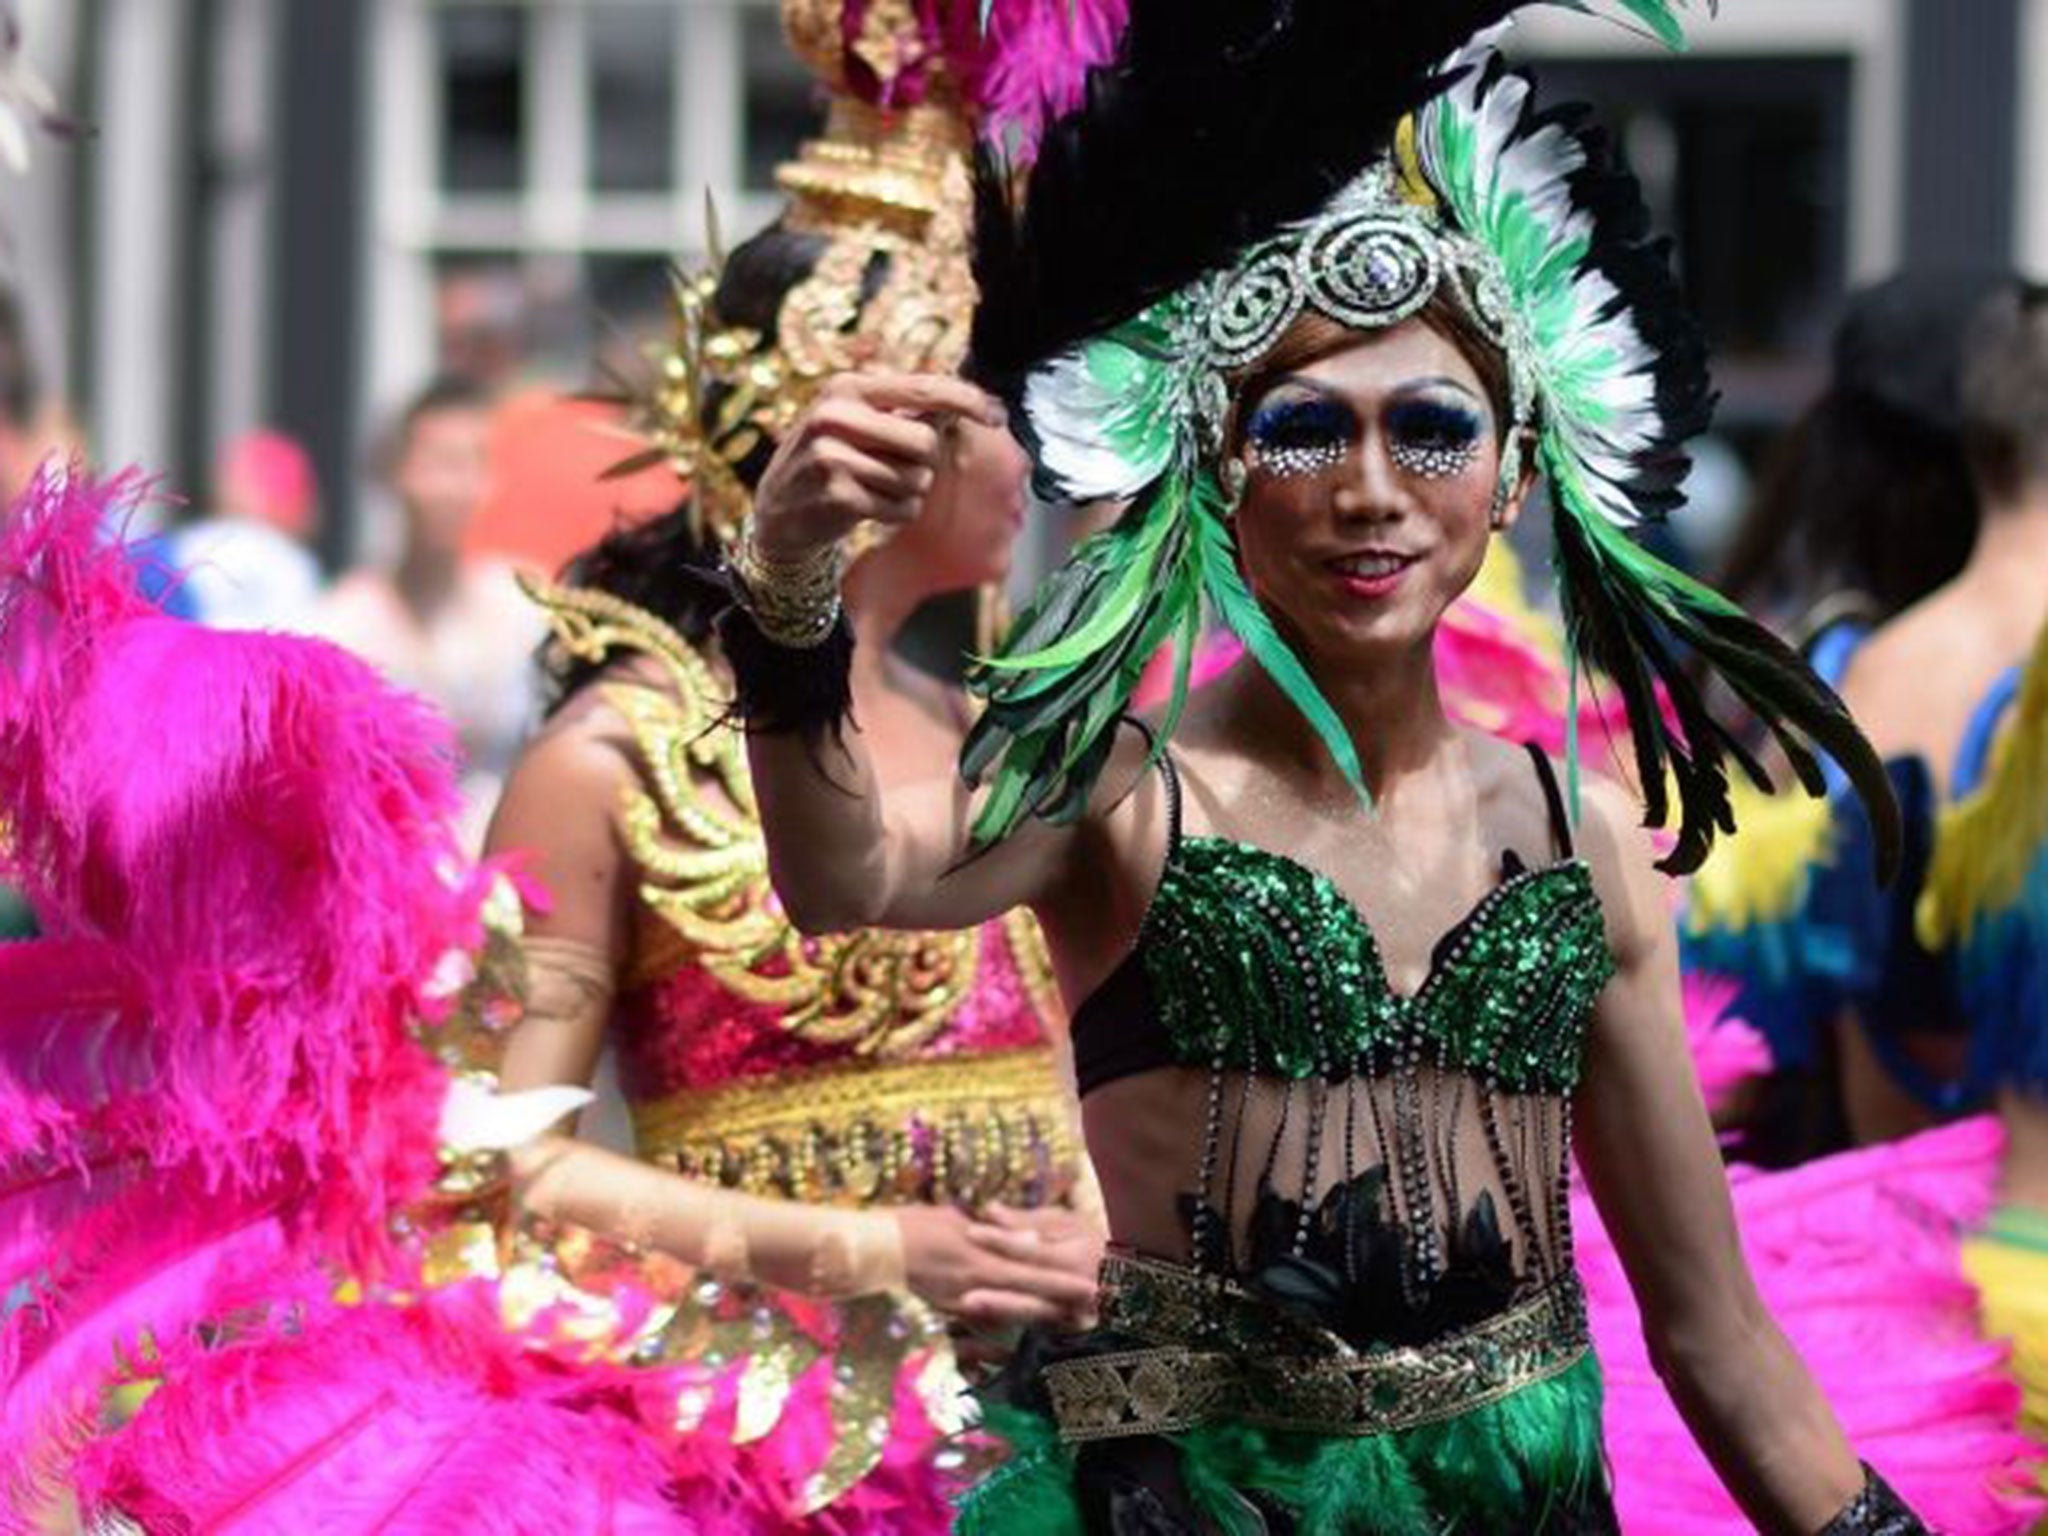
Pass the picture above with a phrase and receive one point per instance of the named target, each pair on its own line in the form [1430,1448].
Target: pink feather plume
[1038,54]
[1856,1257]
[415,1420]
[1726,1051]
[239,849]
[1027,65]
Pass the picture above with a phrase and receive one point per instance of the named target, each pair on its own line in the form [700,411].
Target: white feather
[1071,411]
[475,1117]
[1596,375]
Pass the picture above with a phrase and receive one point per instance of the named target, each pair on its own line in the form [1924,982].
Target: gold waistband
[994,1126]
[872,1091]
[1213,1350]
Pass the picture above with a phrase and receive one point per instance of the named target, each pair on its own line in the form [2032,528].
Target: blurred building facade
[294,211]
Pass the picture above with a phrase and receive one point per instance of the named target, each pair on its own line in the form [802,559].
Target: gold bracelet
[794,603]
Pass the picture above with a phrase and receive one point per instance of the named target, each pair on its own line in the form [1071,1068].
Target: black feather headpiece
[1219,122]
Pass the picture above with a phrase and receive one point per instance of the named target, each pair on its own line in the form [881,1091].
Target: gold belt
[1216,1351]
[968,1127]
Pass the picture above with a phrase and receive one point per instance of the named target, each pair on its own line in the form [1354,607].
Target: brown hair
[1315,336]
[2005,391]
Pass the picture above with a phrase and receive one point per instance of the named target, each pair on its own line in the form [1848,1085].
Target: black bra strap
[1170,775]
[1560,821]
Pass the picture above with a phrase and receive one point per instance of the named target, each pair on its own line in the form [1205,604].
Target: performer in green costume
[1318,306]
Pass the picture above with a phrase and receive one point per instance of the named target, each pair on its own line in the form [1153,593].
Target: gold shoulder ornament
[693,828]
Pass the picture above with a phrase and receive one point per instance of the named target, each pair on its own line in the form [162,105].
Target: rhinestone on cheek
[1293,463]
[1433,463]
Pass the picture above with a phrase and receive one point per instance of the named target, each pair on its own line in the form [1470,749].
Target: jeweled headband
[1373,257]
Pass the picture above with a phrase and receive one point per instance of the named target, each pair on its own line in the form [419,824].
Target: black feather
[1219,122]
[1619,628]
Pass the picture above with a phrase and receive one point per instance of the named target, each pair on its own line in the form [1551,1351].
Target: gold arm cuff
[795,603]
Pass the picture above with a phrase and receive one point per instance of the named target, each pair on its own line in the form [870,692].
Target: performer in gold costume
[857,1146]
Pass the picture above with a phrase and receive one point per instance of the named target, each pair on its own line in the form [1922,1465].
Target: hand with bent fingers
[867,450]
[1050,1237]
[1012,1268]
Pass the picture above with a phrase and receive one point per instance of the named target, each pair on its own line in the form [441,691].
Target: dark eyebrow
[1436,381]
[1405,387]
[1273,386]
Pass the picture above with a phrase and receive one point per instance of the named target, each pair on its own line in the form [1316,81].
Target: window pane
[483,316]
[629,306]
[483,85]
[781,98]
[632,97]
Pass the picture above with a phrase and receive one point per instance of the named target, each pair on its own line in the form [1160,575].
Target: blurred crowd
[484,474]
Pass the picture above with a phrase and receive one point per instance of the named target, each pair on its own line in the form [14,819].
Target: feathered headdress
[1262,160]
[888,187]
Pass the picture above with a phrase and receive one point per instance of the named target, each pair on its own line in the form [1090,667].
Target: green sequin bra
[1353,1131]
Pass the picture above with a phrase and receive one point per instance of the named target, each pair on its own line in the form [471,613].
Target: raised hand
[867,450]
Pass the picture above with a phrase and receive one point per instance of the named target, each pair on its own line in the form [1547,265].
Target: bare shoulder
[1113,850]
[492,587]
[1955,636]
[1887,676]
[360,586]
[357,602]
[1621,857]
[1510,790]
[1100,875]
[574,769]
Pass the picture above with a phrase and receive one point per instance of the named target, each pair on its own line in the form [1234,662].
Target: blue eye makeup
[1302,436]
[1433,439]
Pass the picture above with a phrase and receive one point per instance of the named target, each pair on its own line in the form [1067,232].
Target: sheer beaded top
[1407,1149]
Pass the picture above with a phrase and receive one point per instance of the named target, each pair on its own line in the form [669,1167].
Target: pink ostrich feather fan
[238,848]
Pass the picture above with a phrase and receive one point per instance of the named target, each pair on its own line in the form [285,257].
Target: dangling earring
[1510,477]
[1233,477]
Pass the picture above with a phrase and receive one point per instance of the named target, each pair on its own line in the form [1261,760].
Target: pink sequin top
[687,1030]
[956,1097]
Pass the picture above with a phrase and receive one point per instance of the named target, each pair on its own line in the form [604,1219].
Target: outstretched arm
[560,809]
[843,853]
[1648,1152]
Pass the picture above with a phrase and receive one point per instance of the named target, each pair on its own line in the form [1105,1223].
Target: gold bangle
[794,603]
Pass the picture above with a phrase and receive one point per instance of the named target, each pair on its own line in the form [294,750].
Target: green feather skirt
[1529,1463]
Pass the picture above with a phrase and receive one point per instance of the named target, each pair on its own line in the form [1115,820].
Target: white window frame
[412,223]
[2030,196]
[131,281]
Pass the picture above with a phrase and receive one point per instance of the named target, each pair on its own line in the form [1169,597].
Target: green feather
[1658,17]
[1241,613]
[1066,677]
[1625,610]
[1032,1490]
[1510,1465]
[1132,554]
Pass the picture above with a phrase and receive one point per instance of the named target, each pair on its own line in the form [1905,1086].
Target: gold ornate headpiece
[879,185]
